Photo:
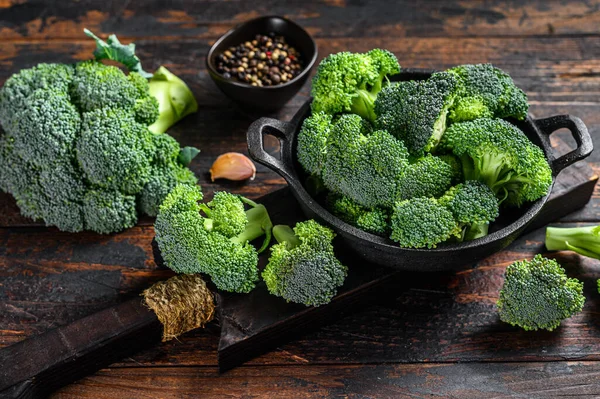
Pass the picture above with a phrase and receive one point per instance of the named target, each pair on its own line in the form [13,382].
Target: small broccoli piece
[455,165]
[106,211]
[162,180]
[416,111]
[312,142]
[302,267]
[537,294]
[427,177]
[498,154]
[361,165]
[114,150]
[350,82]
[190,243]
[46,127]
[473,205]
[166,149]
[371,220]
[422,222]
[487,91]
[584,240]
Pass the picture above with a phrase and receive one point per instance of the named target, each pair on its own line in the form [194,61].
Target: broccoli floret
[190,243]
[473,205]
[162,180]
[45,127]
[416,111]
[21,85]
[302,267]
[350,82]
[487,91]
[498,154]
[422,222]
[361,165]
[455,165]
[584,240]
[427,177]
[106,211]
[372,220]
[312,142]
[537,294]
[114,150]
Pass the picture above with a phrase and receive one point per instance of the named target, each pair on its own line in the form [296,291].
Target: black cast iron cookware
[383,251]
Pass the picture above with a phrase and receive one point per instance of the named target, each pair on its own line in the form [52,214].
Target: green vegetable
[302,267]
[583,240]
[76,150]
[429,176]
[498,154]
[372,220]
[416,111]
[473,206]
[216,244]
[363,165]
[422,223]
[350,82]
[312,142]
[486,92]
[537,294]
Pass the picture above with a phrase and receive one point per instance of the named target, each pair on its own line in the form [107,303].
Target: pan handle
[284,131]
[580,134]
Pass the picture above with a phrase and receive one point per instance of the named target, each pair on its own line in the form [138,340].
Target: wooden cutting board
[250,324]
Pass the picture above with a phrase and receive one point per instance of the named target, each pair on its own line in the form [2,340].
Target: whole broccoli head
[473,205]
[498,154]
[77,151]
[416,111]
[372,220]
[363,165]
[302,267]
[487,91]
[217,244]
[537,294]
[350,82]
[422,223]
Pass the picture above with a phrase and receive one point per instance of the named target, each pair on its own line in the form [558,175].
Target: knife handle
[38,366]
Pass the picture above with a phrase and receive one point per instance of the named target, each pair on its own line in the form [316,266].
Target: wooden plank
[37,19]
[399,381]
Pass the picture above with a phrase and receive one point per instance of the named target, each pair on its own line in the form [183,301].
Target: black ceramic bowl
[382,250]
[271,97]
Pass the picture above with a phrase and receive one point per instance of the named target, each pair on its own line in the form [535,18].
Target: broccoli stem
[285,234]
[583,240]
[364,104]
[259,223]
[474,231]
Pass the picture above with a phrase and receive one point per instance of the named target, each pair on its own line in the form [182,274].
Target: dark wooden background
[444,338]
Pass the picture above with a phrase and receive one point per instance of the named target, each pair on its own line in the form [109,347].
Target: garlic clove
[232,166]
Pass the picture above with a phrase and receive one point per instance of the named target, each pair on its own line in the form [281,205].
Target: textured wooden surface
[441,338]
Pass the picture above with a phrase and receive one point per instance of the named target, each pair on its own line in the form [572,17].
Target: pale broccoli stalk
[302,267]
[175,99]
[583,240]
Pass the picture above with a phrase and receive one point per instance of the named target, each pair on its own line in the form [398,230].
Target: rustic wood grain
[49,278]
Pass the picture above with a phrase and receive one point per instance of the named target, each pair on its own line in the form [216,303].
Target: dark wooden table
[443,339]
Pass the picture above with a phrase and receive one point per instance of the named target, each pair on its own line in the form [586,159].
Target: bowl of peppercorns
[263,62]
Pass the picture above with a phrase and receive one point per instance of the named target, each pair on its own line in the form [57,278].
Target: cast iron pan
[382,250]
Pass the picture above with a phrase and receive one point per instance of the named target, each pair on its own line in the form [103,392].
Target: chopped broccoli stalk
[302,267]
[498,154]
[473,205]
[416,111]
[189,243]
[584,240]
[537,294]
[422,223]
[350,82]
